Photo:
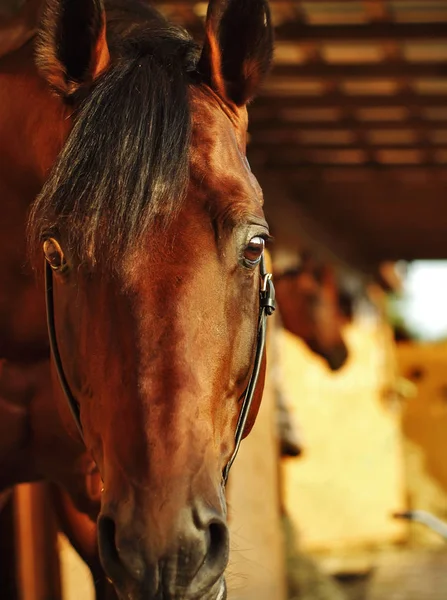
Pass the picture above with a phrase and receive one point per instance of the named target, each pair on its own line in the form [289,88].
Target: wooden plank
[256,569]
[8,581]
[260,126]
[302,33]
[394,69]
[36,541]
[435,174]
[407,99]
[376,31]
[293,156]
[291,151]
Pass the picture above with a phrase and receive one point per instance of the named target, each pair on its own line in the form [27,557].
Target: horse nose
[337,357]
[119,561]
[195,560]
[213,530]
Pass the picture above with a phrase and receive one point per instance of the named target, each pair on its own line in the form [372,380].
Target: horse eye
[253,250]
[54,254]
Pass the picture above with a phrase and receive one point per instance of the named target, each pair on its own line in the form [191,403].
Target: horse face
[329,321]
[157,337]
[159,357]
[308,301]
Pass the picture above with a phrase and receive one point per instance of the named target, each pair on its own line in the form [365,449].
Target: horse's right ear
[238,48]
[72,48]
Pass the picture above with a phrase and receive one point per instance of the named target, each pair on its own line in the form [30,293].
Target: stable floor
[402,575]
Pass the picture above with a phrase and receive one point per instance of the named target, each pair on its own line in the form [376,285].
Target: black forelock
[126,160]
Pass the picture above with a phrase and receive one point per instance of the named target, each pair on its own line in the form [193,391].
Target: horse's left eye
[253,251]
[54,254]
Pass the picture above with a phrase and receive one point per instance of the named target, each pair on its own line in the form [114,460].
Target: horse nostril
[218,547]
[119,560]
[107,544]
[211,549]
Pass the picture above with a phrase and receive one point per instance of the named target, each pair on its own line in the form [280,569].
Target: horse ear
[238,48]
[72,48]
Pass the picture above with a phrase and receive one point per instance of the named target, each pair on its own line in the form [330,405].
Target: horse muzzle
[192,569]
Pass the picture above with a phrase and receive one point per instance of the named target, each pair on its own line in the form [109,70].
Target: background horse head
[313,307]
[153,225]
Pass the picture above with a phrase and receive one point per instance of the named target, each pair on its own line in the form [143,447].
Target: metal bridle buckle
[265,279]
[267,297]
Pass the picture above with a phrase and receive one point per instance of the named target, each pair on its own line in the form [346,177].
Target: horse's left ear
[238,48]
[72,48]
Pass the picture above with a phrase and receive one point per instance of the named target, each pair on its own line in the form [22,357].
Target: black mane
[125,162]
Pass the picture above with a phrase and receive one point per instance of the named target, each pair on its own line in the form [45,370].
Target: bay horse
[123,161]
[314,308]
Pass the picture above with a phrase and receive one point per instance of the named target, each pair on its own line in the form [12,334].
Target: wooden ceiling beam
[261,126]
[297,31]
[303,158]
[288,148]
[390,69]
[360,172]
[274,101]
[377,10]
[376,31]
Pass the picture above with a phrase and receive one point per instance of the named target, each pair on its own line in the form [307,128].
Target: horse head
[153,226]
[309,303]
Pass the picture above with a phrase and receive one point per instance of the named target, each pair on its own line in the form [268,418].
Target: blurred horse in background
[314,306]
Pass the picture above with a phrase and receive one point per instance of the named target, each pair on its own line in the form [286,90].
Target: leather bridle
[266,307]
[54,349]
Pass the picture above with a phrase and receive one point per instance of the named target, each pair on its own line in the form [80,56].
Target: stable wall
[257,564]
[342,493]
[424,428]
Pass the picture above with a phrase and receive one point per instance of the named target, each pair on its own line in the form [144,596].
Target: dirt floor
[395,573]
[419,574]
[402,575]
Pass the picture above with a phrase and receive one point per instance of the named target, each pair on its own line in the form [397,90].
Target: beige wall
[77,581]
[424,427]
[342,492]
[256,570]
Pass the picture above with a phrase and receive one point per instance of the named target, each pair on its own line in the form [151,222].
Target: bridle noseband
[266,307]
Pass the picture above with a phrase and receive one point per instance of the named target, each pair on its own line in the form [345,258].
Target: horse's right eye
[54,254]
[253,251]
